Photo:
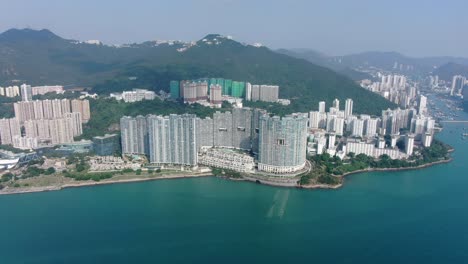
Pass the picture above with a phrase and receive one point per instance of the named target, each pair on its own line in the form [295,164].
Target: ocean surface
[418,216]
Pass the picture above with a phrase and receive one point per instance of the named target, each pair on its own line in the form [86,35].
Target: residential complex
[45,122]
[215,90]
[179,139]
[49,109]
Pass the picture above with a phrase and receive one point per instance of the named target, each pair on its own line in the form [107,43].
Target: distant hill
[447,71]
[388,61]
[323,60]
[41,57]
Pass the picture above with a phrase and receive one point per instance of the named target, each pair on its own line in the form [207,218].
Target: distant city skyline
[413,28]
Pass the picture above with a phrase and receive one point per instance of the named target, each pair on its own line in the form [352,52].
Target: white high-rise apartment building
[458,82]
[331,140]
[48,112]
[12,91]
[370,127]
[248,91]
[38,109]
[76,124]
[317,120]
[322,107]
[57,108]
[358,128]
[65,106]
[338,126]
[26,93]
[30,128]
[422,108]
[61,130]
[348,108]
[9,127]
[409,146]
[81,106]
[336,104]
[427,140]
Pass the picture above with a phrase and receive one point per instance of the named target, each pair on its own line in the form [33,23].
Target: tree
[50,170]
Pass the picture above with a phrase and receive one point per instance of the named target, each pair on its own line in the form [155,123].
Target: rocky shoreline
[326,186]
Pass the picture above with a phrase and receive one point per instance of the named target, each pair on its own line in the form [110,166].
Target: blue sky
[413,27]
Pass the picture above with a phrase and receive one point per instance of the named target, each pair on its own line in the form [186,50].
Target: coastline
[396,169]
[10,191]
[94,183]
[326,186]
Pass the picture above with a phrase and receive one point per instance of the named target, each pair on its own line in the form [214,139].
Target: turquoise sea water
[383,217]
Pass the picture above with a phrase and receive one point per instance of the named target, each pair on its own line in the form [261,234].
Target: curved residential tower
[282,144]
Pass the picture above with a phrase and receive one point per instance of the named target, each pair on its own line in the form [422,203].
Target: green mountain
[447,71]
[41,57]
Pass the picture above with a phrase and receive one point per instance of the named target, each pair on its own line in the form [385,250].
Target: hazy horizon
[416,29]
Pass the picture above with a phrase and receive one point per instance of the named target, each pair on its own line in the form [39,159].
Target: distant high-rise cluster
[434,81]
[201,90]
[394,88]
[178,139]
[364,134]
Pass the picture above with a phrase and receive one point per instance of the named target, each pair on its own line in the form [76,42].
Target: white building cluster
[50,109]
[111,163]
[182,140]
[227,159]
[134,96]
[212,91]
[27,91]
[265,93]
[10,91]
[45,122]
[41,90]
[340,132]
[394,88]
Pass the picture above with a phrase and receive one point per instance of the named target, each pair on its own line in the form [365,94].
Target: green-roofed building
[175,89]
[228,86]
[238,89]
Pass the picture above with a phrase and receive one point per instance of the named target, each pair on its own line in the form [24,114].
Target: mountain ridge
[109,68]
